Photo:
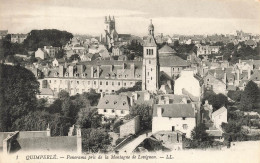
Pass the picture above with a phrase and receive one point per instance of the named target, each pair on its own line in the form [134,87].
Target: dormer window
[124,103]
[107,101]
[56,74]
[84,75]
[77,74]
[66,74]
[115,102]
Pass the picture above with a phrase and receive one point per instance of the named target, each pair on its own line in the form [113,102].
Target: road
[129,147]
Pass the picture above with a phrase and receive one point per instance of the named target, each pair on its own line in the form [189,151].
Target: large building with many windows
[110,75]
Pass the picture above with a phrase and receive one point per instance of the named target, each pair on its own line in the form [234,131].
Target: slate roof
[175,110]
[172,61]
[219,111]
[46,91]
[150,42]
[166,51]
[117,102]
[59,143]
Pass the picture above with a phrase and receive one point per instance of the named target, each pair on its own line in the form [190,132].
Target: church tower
[150,62]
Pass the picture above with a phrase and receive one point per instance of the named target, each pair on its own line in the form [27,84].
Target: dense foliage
[95,140]
[136,87]
[145,113]
[249,96]
[46,37]
[216,100]
[36,39]
[18,87]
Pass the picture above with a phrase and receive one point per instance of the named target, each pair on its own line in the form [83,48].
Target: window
[100,90]
[50,81]
[185,126]
[61,81]
[147,73]
[147,81]
[131,83]
[118,83]
[88,82]
[107,83]
[124,84]
[208,80]
[112,83]
[149,61]
[124,103]
[113,111]
[100,83]
[183,118]
[122,112]
[151,51]
[151,69]
[95,82]
[105,110]
[147,51]
[54,81]
[151,78]
[113,91]
[77,82]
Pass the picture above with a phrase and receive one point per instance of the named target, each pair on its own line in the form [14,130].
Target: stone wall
[130,127]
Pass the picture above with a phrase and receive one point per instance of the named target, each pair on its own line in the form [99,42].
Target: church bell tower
[150,62]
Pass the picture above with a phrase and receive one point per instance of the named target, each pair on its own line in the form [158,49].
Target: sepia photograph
[130,81]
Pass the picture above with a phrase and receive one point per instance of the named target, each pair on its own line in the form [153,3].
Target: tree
[95,140]
[19,88]
[235,95]
[216,100]
[136,87]
[249,96]
[89,118]
[145,113]
[199,133]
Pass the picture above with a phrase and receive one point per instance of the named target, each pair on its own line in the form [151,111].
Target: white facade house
[219,116]
[40,54]
[187,82]
[174,117]
[113,105]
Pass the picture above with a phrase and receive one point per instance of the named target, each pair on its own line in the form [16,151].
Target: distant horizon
[184,17]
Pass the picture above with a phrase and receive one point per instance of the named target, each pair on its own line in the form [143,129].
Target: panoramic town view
[104,89]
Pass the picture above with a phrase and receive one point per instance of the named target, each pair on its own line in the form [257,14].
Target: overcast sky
[132,16]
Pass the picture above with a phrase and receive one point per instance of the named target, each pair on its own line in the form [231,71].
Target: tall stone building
[150,69]
[111,35]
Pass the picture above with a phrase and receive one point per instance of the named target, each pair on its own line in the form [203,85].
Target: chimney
[98,71]
[159,111]
[91,72]
[249,74]
[146,96]
[135,96]
[225,78]
[71,71]
[48,130]
[79,140]
[61,71]
[166,99]
[131,100]
[184,100]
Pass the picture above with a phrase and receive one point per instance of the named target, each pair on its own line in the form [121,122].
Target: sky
[132,16]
